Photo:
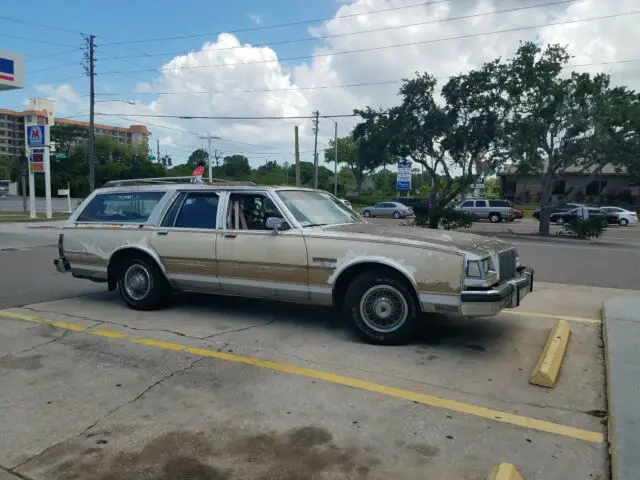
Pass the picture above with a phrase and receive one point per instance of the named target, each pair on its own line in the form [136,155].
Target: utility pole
[316,114]
[335,160]
[208,137]
[297,151]
[90,68]
[158,150]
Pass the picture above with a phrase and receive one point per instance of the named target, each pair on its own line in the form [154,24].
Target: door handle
[230,235]
[163,232]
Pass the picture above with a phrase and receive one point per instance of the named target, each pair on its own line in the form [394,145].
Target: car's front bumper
[477,303]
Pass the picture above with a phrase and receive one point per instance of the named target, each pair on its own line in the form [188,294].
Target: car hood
[440,239]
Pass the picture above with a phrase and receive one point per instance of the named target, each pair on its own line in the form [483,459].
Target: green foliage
[584,228]
[447,218]
[355,153]
[236,167]
[197,158]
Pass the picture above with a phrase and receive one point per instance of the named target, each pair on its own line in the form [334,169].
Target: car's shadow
[440,332]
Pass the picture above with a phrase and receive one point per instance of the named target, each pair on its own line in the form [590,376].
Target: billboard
[11,70]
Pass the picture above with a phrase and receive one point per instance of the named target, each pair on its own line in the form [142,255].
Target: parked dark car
[560,208]
[561,218]
[420,206]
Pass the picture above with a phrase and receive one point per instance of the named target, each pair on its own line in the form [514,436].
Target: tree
[198,157]
[236,167]
[350,155]
[556,122]
[68,137]
[461,134]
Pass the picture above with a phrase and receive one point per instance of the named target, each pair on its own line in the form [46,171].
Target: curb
[504,471]
[546,371]
[611,434]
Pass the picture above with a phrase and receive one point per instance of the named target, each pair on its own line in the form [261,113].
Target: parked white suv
[494,210]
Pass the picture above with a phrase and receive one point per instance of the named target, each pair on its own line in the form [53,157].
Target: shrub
[448,218]
[585,228]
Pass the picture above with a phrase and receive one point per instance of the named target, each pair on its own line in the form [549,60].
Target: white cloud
[255,18]
[598,41]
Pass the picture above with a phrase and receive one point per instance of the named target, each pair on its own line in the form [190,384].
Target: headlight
[479,268]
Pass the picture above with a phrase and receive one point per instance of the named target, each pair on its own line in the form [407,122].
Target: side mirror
[273,223]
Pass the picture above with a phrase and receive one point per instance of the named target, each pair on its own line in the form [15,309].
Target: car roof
[199,186]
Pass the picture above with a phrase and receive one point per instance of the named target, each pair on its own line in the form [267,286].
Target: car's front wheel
[142,285]
[623,222]
[381,308]
[396,215]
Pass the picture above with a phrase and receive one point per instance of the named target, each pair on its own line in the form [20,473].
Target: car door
[185,241]
[255,261]
[481,209]
[380,210]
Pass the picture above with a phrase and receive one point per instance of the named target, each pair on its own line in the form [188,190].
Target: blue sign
[7,70]
[35,135]
[403,185]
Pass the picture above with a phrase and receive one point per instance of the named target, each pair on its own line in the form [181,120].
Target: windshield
[313,209]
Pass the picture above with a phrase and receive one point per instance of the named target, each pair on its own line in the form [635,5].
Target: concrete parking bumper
[622,336]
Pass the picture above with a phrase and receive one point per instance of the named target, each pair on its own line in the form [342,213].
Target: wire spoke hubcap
[383,308]
[137,282]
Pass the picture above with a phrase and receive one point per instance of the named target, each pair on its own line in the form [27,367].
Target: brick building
[612,185]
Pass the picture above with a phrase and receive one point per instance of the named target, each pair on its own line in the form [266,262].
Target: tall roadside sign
[403,179]
[11,70]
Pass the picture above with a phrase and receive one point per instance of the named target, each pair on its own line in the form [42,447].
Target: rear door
[481,209]
[186,240]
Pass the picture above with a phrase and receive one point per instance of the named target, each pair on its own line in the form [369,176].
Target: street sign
[62,192]
[61,156]
[152,157]
[403,180]
[35,135]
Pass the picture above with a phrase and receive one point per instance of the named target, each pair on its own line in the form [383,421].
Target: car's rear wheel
[366,213]
[623,222]
[495,218]
[396,215]
[142,285]
[381,308]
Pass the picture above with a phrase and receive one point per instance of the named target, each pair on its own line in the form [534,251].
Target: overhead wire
[384,47]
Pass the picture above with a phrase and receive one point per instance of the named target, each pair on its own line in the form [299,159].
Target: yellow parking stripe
[423,398]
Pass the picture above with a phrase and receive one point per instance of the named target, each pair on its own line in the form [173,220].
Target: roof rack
[172,180]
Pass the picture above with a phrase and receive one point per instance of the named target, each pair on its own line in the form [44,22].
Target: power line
[289,24]
[206,117]
[42,25]
[369,49]
[327,87]
[37,40]
[360,32]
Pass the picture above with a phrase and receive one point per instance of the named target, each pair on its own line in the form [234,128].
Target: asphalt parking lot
[222,388]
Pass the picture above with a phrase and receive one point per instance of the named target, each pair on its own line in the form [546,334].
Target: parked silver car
[388,209]
[494,210]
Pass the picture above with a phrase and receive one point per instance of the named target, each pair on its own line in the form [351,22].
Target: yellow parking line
[423,398]
[554,317]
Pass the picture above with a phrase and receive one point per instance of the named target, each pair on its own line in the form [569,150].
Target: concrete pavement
[622,337]
[229,388]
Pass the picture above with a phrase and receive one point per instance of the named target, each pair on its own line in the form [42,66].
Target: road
[58,204]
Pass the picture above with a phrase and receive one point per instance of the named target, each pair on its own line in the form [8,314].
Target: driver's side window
[249,211]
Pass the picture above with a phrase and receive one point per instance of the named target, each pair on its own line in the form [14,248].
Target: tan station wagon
[148,238]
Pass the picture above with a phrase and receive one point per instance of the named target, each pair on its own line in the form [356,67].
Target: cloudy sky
[288,59]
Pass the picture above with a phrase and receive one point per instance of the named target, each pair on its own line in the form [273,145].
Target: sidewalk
[622,336]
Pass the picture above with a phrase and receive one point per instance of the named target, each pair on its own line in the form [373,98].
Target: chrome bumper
[487,303]
[62,265]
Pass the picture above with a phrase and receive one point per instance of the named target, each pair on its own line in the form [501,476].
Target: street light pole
[335,159]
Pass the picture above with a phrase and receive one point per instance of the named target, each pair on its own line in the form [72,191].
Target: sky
[285,58]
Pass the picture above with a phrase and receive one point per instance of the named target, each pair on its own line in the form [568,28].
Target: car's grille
[507,264]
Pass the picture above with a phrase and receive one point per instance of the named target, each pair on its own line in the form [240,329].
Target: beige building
[12,130]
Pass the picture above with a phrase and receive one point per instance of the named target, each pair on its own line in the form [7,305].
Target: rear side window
[499,203]
[124,207]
